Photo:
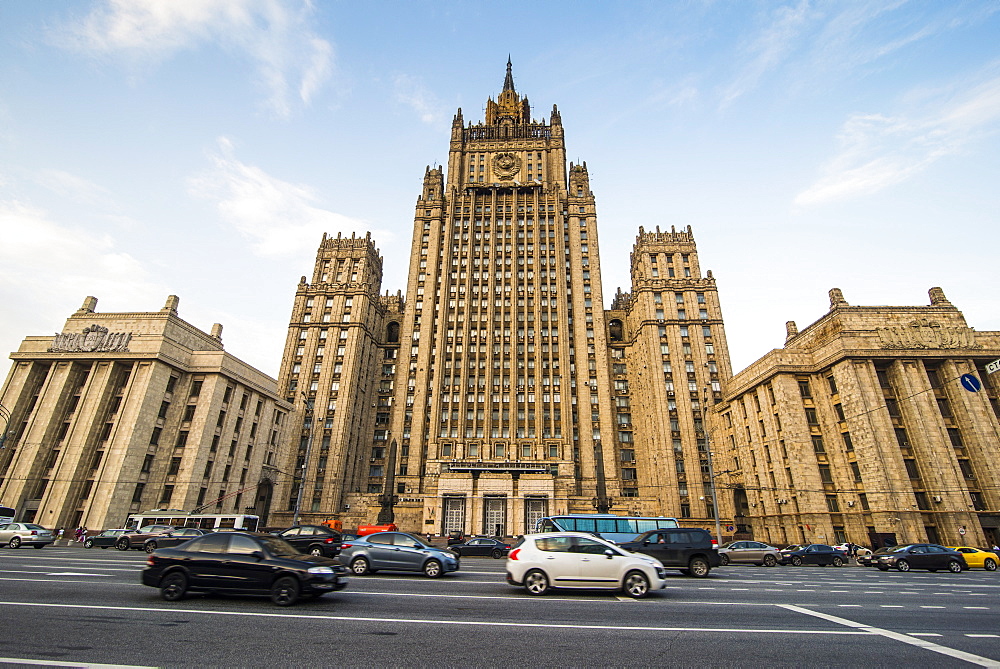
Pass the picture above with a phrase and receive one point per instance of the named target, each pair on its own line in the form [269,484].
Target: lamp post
[711,475]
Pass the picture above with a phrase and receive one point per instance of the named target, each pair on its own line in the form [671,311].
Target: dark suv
[690,549]
[313,539]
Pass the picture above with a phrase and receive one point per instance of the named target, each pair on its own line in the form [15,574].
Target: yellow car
[978,559]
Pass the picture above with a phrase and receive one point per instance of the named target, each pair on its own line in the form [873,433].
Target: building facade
[125,412]
[499,390]
[862,428]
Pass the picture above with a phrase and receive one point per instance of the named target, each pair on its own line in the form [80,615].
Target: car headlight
[320,570]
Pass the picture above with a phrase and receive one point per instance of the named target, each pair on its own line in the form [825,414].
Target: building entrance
[495,516]
[453,519]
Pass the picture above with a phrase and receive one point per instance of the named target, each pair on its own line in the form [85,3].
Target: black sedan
[482,546]
[820,554]
[242,563]
[172,538]
[921,556]
[106,538]
[313,539]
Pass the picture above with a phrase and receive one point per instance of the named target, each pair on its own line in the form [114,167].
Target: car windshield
[727,545]
[279,547]
[895,549]
[32,526]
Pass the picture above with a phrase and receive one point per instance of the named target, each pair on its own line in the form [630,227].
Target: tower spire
[508,82]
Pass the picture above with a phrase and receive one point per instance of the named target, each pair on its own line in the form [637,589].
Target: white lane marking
[983,636]
[61,580]
[891,606]
[428,621]
[82,665]
[72,573]
[985,608]
[924,634]
[905,638]
[931,607]
[848,606]
[805,591]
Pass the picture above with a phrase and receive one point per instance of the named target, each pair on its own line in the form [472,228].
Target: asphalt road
[68,606]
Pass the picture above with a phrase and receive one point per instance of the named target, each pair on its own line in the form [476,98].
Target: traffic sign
[971,383]
[961,531]
[993,367]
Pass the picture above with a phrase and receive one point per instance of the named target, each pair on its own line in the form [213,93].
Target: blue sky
[202,147]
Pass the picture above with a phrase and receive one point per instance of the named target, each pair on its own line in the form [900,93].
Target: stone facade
[860,428]
[124,412]
[499,390]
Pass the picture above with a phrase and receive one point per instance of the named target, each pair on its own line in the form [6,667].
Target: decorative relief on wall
[506,165]
[92,339]
[923,333]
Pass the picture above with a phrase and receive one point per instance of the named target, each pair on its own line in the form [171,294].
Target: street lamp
[711,476]
[305,460]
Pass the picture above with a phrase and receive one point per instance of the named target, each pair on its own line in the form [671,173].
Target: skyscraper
[496,392]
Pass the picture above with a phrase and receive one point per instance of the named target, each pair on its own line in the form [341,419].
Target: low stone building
[123,412]
[867,427]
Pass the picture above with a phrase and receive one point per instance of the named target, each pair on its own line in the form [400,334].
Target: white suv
[541,562]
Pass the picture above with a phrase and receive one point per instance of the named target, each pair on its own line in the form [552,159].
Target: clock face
[506,165]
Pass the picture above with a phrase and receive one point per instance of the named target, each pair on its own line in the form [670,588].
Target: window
[911,468]
[139,487]
[832,504]
[856,470]
[818,446]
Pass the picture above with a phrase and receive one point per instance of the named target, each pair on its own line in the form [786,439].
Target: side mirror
[610,553]
[645,542]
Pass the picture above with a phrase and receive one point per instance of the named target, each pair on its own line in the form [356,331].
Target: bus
[204,521]
[6,515]
[605,525]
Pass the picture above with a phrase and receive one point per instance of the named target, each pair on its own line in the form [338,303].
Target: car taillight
[328,540]
[34,532]
[344,547]
[513,554]
[150,561]
[715,543]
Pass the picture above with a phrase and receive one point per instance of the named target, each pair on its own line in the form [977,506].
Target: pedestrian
[83,534]
[59,534]
[77,534]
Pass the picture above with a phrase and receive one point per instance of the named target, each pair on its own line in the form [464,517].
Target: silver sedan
[15,535]
[749,552]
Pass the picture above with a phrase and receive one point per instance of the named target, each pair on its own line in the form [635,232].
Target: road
[68,606]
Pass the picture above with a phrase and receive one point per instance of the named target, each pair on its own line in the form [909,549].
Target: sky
[201,148]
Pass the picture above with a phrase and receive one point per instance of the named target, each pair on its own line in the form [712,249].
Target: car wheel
[497,553]
[636,585]
[150,546]
[122,545]
[902,565]
[285,591]
[838,562]
[316,550]
[796,561]
[173,586]
[989,564]
[699,567]
[770,561]
[954,567]
[432,569]
[359,566]
[723,559]
[89,544]
[15,542]
[536,582]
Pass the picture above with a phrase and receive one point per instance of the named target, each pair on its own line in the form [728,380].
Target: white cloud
[288,55]
[878,151]
[410,91]
[279,218]
[769,49]
[44,265]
